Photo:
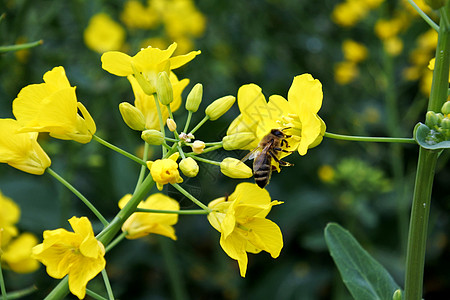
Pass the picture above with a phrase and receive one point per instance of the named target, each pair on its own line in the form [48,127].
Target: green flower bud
[397,295]
[440,118]
[152,137]
[435,4]
[164,89]
[132,116]
[445,124]
[431,119]
[446,108]
[146,85]
[188,167]
[237,140]
[234,168]
[216,109]
[194,98]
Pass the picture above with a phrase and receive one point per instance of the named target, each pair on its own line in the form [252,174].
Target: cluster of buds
[439,123]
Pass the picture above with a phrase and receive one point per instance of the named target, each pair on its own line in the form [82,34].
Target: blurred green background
[365,187]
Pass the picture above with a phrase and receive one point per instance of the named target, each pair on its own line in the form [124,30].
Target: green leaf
[361,273]
[429,138]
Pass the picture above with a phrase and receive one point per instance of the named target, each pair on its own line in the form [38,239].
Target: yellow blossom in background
[147,105]
[385,29]
[165,171]
[182,18]
[354,51]
[326,173]
[155,42]
[141,224]
[21,150]
[348,13]
[22,55]
[136,15]
[17,254]
[149,62]
[345,72]
[241,221]
[52,107]
[77,254]
[298,114]
[103,34]
[9,216]
[425,82]
[393,46]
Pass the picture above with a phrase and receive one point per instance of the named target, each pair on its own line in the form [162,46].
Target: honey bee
[269,148]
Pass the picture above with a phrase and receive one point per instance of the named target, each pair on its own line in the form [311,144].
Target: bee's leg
[282,150]
[279,161]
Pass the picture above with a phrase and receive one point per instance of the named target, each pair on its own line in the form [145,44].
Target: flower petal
[180,60]
[266,235]
[305,93]
[234,247]
[117,63]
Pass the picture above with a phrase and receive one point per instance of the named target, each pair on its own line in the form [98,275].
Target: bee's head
[278,133]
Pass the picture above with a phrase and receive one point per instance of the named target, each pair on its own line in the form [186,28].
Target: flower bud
[194,98]
[146,85]
[446,108]
[235,168]
[237,140]
[216,109]
[440,118]
[171,124]
[132,116]
[152,137]
[198,146]
[164,89]
[445,124]
[188,167]
[431,119]
[397,295]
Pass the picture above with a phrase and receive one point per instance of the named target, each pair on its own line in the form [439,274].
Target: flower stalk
[368,138]
[117,149]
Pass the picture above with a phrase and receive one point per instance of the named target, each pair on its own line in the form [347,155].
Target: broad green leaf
[364,277]
[429,138]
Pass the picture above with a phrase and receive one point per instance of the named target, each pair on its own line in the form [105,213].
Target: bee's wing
[252,154]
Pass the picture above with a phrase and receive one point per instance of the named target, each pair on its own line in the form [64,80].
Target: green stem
[2,281]
[179,212]
[190,197]
[369,139]
[20,46]
[206,118]
[116,241]
[212,148]
[424,15]
[417,237]
[107,285]
[60,291]
[161,121]
[79,195]
[143,167]
[94,295]
[212,162]
[21,293]
[176,280]
[117,149]
[188,121]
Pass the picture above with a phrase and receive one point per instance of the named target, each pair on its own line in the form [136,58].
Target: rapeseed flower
[103,34]
[9,216]
[354,51]
[241,220]
[136,15]
[142,223]
[17,254]
[53,107]
[21,150]
[297,115]
[77,254]
[165,171]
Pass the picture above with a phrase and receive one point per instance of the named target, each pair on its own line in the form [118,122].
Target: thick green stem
[417,237]
[2,281]
[368,138]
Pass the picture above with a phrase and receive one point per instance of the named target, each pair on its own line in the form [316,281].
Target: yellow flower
[17,254]
[9,216]
[147,105]
[182,18]
[347,14]
[354,51]
[326,173]
[103,34]
[52,107]
[149,62]
[298,114]
[21,150]
[241,220]
[136,15]
[345,72]
[77,254]
[198,146]
[393,46]
[141,224]
[386,29]
[165,171]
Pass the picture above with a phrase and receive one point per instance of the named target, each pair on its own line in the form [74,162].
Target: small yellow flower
[326,173]
[234,168]
[21,150]
[198,146]
[149,62]
[386,29]
[165,171]
[393,46]
[17,254]
[189,167]
[345,72]
[9,216]
[103,34]
[77,254]
[241,220]
[136,15]
[52,107]
[354,51]
[141,224]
